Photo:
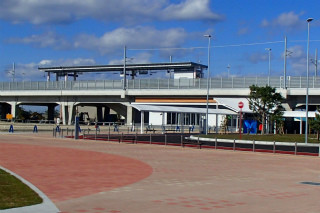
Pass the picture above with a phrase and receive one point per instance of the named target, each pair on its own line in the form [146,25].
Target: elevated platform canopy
[133,68]
[177,109]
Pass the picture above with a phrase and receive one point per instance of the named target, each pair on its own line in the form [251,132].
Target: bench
[127,138]
[148,129]
[198,143]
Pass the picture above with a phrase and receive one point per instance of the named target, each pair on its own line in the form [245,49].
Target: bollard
[274,147]
[253,145]
[165,139]
[295,148]
[35,129]
[62,133]
[136,138]
[150,139]
[72,133]
[121,136]
[11,128]
[53,133]
[216,143]
[234,144]
[181,140]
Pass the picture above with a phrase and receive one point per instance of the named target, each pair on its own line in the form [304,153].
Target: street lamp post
[124,68]
[208,77]
[228,67]
[269,72]
[307,90]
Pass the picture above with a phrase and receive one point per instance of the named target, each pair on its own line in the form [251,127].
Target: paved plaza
[108,177]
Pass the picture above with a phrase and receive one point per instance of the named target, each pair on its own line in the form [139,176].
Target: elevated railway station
[108,100]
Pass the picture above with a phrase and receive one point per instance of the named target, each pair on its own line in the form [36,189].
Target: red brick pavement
[64,173]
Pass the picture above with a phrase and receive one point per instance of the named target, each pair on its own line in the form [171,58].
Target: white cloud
[191,10]
[111,42]
[296,52]
[297,60]
[66,11]
[49,39]
[288,21]
[28,72]
[258,57]
[139,37]
[141,58]
[243,31]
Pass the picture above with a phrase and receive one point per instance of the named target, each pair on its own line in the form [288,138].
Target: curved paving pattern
[182,180]
[64,173]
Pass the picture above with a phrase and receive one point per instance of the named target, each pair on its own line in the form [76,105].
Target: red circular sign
[240,104]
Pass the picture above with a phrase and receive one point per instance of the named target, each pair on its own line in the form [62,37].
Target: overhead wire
[190,48]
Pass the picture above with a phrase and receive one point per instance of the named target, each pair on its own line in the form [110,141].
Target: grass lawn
[14,193]
[278,138]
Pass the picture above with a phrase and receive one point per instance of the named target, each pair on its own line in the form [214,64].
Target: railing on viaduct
[233,82]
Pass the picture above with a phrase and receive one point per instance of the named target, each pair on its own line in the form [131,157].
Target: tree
[265,102]
[315,124]
[22,114]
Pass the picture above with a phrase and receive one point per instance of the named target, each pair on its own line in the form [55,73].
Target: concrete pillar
[4,110]
[71,113]
[142,122]
[217,123]
[129,115]
[64,112]
[99,114]
[106,113]
[13,112]
[182,122]
[237,124]
[51,112]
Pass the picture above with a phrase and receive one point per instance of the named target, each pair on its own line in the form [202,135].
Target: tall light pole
[307,90]
[208,77]
[124,68]
[269,72]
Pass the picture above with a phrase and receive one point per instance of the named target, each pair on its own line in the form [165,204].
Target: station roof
[157,108]
[129,67]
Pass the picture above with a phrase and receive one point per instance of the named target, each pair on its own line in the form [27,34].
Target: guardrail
[185,140]
[233,82]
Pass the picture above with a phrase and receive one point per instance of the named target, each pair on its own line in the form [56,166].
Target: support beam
[71,112]
[99,114]
[64,112]
[142,122]
[129,115]
[5,109]
[51,112]
[14,106]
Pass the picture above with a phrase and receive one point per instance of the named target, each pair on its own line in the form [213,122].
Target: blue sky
[92,32]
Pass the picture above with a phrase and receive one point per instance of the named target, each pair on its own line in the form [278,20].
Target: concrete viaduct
[118,95]
[90,94]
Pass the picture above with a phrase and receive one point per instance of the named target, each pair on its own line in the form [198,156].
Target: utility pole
[285,64]
[316,63]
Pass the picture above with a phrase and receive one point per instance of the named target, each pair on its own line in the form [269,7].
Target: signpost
[240,105]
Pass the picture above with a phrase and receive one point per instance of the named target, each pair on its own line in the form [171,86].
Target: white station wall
[155,118]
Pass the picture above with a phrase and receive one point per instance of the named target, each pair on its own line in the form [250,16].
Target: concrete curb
[46,206]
